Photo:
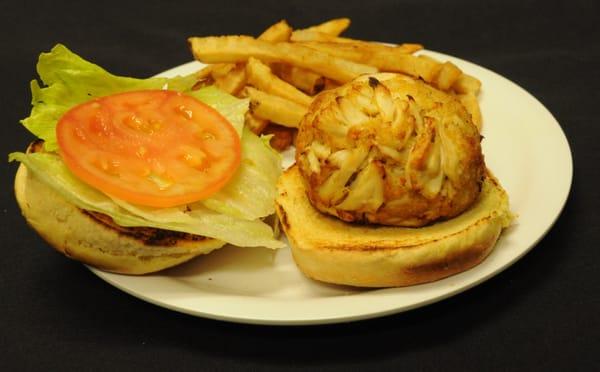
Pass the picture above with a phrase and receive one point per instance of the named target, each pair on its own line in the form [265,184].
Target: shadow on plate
[252,271]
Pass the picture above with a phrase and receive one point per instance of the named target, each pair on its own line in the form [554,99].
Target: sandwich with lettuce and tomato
[137,175]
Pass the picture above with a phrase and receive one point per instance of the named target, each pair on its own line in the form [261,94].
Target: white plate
[525,148]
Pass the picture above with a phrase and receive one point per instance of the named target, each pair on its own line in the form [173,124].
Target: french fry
[254,123]
[416,66]
[260,76]
[425,67]
[467,84]
[280,31]
[305,80]
[205,72]
[240,48]
[222,69]
[390,59]
[448,74]
[333,27]
[308,37]
[282,68]
[361,52]
[234,81]
[313,35]
[410,47]
[275,109]
[470,102]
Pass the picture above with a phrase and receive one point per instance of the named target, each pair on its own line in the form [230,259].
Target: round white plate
[525,148]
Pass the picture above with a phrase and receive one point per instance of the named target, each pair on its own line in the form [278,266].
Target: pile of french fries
[281,71]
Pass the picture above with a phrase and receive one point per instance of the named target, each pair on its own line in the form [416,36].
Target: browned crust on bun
[149,236]
[94,239]
[330,250]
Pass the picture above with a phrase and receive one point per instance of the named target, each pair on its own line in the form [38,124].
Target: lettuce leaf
[199,220]
[71,80]
[251,192]
[232,108]
[232,214]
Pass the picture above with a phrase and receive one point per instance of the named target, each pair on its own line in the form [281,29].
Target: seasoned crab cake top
[391,150]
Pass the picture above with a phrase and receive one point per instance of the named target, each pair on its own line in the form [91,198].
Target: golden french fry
[467,84]
[448,74]
[284,68]
[240,48]
[409,48]
[360,51]
[386,58]
[220,70]
[205,72]
[305,80]
[275,109]
[470,102]
[260,76]
[309,35]
[333,27]
[415,66]
[254,123]
[425,67]
[234,81]
[280,31]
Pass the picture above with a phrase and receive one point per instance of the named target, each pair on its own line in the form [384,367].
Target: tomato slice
[157,148]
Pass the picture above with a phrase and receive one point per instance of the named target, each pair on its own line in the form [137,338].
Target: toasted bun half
[330,250]
[95,239]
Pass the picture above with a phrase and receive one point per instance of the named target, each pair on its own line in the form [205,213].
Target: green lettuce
[71,80]
[233,214]
[197,220]
[251,192]
[232,108]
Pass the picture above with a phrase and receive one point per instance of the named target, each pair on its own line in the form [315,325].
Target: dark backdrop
[542,313]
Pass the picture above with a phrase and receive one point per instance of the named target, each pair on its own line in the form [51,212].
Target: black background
[542,313]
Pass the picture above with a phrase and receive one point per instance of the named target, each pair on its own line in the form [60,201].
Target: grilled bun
[328,249]
[390,186]
[94,239]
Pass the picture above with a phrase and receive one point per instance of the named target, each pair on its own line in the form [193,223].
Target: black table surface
[541,313]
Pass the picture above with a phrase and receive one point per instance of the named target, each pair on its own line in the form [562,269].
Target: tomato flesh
[157,148]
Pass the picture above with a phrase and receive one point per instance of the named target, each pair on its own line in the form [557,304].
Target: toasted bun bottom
[95,240]
[330,250]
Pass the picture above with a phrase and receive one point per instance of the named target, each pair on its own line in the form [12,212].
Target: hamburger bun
[328,249]
[94,239]
[390,187]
